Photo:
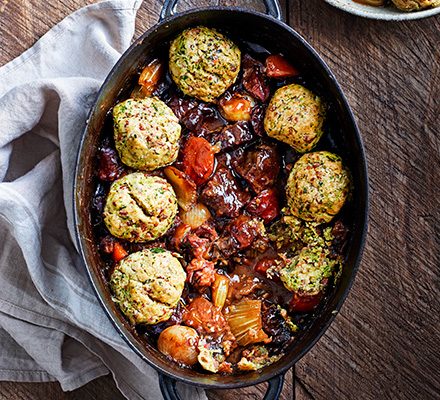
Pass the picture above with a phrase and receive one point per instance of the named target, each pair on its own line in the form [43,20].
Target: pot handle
[169,390]
[272,8]
[274,389]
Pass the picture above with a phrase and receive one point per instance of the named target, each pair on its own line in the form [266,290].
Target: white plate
[385,13]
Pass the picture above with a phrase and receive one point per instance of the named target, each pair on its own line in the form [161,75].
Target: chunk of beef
[206,231]
[204,317]
[224,195]
[97,207]
[272,262]
[109,166]
[238,235]
[203,119]
[233,136]
[181,106]
[265,205]
[197,243]
[209,322]
[257,120]
[275,326]
[340,232]
[259,167]
[107,244]
[243,286]
[198,247]
[200,273]
[163,89]
[254,78]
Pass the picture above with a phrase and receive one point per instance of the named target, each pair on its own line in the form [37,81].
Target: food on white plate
[203,63]
[219,255]
[295,116]
[318,186]
[374,3]
[140,208]
[415,5]
[403,5]
[146,133]
[147,285]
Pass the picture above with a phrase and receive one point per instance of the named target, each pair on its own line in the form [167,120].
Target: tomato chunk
[268,262]
[198,159]
[305,302]
[265,205]
[278,67]
[119,252]
[236,107]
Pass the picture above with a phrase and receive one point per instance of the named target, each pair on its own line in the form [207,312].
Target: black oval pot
[271,33]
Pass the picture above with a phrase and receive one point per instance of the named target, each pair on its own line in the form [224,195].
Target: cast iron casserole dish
[271,33]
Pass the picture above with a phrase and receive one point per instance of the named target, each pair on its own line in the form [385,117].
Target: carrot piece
[119,252]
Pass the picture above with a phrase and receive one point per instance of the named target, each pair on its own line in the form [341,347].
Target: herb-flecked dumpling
[317,187]
[140,208]
[203,63]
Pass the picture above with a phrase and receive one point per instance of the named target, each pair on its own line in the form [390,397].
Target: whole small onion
[179,343]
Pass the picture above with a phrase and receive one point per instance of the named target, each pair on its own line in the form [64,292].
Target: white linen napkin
[51,324]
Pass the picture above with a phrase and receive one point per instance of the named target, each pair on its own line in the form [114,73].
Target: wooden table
[385,342]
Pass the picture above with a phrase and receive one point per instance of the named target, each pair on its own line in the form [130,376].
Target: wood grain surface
[384,344]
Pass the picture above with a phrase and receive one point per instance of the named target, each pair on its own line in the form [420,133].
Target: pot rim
[94,279]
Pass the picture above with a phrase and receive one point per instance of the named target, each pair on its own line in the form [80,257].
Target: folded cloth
[51,324]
